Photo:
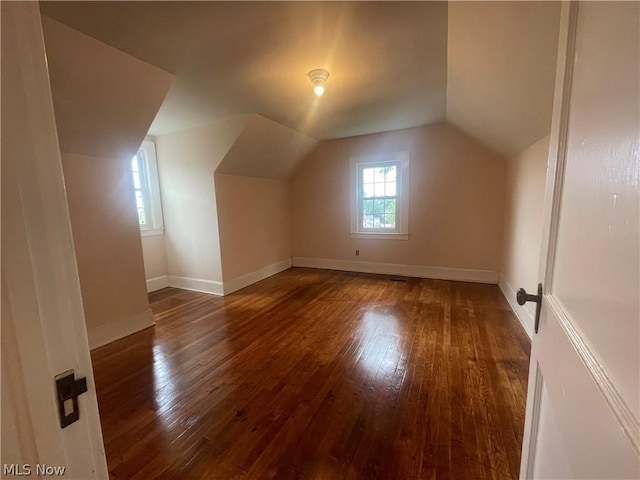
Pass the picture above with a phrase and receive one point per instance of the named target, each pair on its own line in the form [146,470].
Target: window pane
[367,175]
[139,200]
[390,189]
[390,206]
[146,188]
[379,189]
[368,189]
[379,174]
[136,170]
[367,221]
[391,173]
[389,220]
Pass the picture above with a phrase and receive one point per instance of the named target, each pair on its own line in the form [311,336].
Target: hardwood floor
[319,374]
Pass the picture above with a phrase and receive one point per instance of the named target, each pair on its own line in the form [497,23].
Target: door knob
[523,297]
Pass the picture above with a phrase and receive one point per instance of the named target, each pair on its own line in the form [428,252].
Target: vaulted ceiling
[501,71]
[388,62]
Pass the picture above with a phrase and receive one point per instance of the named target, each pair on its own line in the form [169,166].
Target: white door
[583,403]
[43,329]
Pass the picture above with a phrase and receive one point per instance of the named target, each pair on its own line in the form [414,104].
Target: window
[147,189]
[377,202]
[379,206]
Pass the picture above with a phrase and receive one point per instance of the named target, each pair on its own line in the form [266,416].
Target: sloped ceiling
[486,67]
[266,149]
[104,99]
[387,60]
[501,71]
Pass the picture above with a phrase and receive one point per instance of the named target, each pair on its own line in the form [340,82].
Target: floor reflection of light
[165,391]
[382,354]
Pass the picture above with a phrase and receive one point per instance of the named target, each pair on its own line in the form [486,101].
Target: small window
[378,199]
[144,170]
[380,207]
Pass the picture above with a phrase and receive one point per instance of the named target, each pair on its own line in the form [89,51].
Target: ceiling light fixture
[318,78]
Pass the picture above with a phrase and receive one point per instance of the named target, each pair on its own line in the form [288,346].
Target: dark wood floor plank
[314,374]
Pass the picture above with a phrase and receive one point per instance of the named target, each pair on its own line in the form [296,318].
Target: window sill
[381,236]
[150,232]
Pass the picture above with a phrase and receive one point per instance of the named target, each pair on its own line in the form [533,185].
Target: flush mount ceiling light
[318,78]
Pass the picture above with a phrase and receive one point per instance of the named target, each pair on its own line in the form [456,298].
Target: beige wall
[524,203]
[106,237]
[186,163]
[104,102]
[456,194]
[155,259]
[255,223]
[250,150]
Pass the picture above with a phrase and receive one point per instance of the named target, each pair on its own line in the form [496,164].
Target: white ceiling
[104,100]
[501,71]
[387,60]
[265,149]
[486,67]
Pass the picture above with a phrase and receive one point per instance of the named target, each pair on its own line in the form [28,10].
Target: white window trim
[153,185]
[150,232]
[403,195]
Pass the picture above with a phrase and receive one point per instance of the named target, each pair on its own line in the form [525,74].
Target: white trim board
[196,284]
[250,278]
[419,271]
[157,283]
[524,315]
[112,331]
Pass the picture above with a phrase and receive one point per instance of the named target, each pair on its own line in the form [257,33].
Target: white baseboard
[196,284]
[523,314]
[110,332]
[440,273]
[247,279]
[157,283]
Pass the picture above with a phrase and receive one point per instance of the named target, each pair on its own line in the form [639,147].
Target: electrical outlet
[357,253]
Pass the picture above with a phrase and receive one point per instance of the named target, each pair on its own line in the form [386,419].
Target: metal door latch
[522,296]
[68,388]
